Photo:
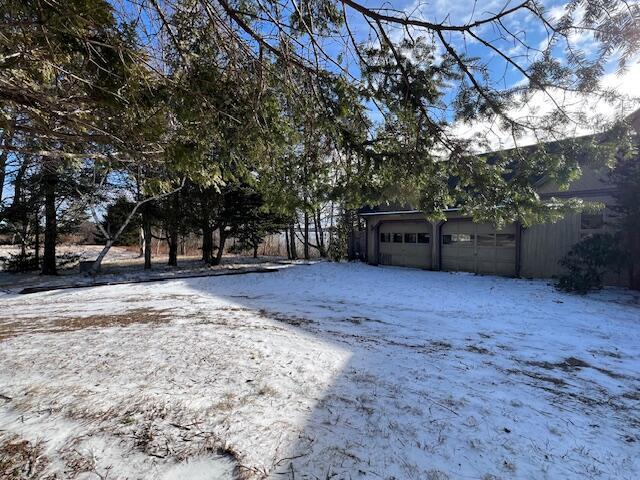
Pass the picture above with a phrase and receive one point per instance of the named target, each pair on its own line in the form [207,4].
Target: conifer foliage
[306,110]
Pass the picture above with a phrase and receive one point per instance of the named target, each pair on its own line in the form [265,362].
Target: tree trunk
[141,243]
[317,222]
[221,242]
[292,242]
[146,225]
[23,239]
[140,207]
[50,180]
[306,234]
[36,245]
[286,242]
[255,251]
[111,239]
[207,242]
[172,240]
[7,138]
[173,235]
[331,232]
[18,183]
[97,263]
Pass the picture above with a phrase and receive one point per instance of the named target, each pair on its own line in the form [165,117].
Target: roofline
[545,196]
[593,192]
[401,212]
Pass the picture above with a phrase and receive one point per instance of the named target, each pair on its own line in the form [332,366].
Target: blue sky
[529,30]
[526,28]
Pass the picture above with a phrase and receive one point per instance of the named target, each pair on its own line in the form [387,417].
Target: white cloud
[529,30]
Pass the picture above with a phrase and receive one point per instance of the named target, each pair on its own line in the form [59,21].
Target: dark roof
[553,147]
[390,207]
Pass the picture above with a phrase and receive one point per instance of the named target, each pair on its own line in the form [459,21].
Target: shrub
[68,260]
[587,262]
[27,262]
[21,262]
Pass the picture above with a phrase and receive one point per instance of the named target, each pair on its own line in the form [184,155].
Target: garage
[477,247]
[405,244]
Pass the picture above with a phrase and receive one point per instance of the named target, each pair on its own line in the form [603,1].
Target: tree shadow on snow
[417,389]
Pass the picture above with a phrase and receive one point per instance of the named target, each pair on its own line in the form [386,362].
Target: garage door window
[410,238]
[461,239]
[423,238]
[397,238]
[505,240]
[486,240]
[385,237]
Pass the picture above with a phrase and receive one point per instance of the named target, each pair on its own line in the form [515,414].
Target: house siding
[374,222]
[539,247]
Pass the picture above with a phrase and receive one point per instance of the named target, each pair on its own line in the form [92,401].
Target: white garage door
[405,244]
[478,248]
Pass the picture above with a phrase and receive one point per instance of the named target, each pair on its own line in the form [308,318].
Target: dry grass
[288,319]
[12,328]
[572,364]
[136,316]
[21,460]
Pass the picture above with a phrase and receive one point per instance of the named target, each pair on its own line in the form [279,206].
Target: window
[423,238]
[591,221]
[487,240]
[410,238]
[385,237]
[505,240]
[463,238]
[458,238]
[397,238]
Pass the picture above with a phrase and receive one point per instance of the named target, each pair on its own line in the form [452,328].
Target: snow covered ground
[322,371]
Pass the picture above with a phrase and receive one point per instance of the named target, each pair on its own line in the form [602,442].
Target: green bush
[587,262]
[20,262]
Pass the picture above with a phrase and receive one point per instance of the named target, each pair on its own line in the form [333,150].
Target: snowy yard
[327,371]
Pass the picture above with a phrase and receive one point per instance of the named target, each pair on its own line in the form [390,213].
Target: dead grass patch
[12,328]
[567,365]
[267,390]
[226,403]
[169,296]
[571,364]
[478,349]
[558,382]
[138,315]
[21,460]
[632,395]
[288,319]
[606,353]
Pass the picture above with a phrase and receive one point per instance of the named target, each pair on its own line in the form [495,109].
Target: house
[401,236]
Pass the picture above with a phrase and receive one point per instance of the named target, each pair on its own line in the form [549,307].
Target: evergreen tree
[256,220]
[114,217]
